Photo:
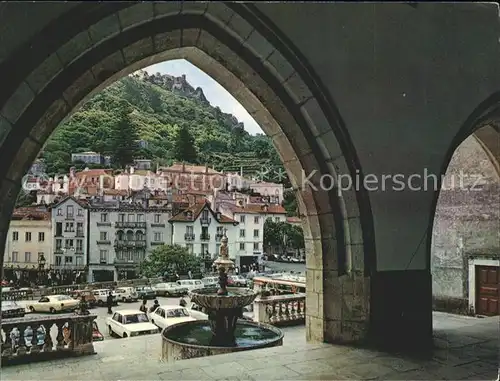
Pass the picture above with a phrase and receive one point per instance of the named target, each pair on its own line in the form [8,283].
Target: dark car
[145,292]
[11,309]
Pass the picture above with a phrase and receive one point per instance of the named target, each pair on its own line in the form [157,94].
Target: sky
[215,93]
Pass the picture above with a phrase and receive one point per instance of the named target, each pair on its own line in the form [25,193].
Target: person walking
[154,306]
[143,307]
[109,302]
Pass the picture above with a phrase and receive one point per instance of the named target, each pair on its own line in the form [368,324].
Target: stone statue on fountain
[224,265]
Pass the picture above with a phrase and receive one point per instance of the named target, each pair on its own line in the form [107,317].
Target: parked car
[197,312]
[170,315]
[126,294]
[96,334]
[101,296]
[237,280]
[145,292]
[190,284]
[210,281]
[89,297]
[54,303]
[11,309]
[169,289]
[129,323]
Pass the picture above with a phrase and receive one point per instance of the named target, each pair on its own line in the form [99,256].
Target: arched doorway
[264,74]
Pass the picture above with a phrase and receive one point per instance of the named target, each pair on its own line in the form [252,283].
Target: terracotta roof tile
[256,209]
[293,220]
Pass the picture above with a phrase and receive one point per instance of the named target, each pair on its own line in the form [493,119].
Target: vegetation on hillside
[176,126]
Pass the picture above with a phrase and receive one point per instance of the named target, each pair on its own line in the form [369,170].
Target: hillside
[160,105]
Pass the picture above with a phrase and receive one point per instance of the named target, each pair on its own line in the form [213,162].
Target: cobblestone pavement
[466,349]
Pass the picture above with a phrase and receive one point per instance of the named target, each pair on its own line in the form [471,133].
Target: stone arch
[483,123]
[290,108]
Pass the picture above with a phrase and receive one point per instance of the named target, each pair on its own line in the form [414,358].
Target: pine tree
[124,138]
[184,148]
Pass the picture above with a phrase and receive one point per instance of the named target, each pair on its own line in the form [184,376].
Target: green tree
[124,138]
[170,259]
[290,204]
[184,148]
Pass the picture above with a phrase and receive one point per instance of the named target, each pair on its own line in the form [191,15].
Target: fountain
[224,332]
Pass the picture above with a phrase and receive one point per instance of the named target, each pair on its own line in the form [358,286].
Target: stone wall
[466,223]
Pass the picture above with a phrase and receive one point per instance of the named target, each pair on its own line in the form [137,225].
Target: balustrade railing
[280,309]
[32,338]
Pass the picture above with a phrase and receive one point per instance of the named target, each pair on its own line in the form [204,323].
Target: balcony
[130,225]
[157,225]
[104,242]
[70,217]
[189,237]
[108,224]
[80,234]
[205,237]
[204,221]
[157,243]
[131,243]
[120,261]
[281,310]
[28,339]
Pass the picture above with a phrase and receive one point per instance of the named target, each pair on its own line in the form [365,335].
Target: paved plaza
[466,349]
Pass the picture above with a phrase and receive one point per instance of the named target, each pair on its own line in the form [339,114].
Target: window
[157,237]
[276,219]
[59,212]
[68,243]
[190,248]
[103,256]
[58,244]
[79,228]
[79,245]
[256,246]
[27,236]
[220,230]
[68,259]
[217,249]
[41,236]
[131,218]
[58,260]
[242,219]
[256,220]
[15,255]
[15,236]
[204,215]
[79,261]
[80,212]
[69,211]
[242,233]
[27,257]
[103,236]
[121,217]
[58,229]
[104,217]
[157,218]
[204,248]
[256,233]
[140,218]
[189,230]
[69,227]
[242,245]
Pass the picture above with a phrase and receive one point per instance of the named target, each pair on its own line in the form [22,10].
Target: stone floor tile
[230,369]
[310,366]
[399,364]
[184,375]
[370,370]
[419,374]
[274,373]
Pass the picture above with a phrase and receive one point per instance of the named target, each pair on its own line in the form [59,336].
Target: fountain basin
[192,339]
[237,297]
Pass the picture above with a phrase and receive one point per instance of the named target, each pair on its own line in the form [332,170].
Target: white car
[169,315]
[197,312]
[54,303]
[130,323]
[211,281]
[169,289]
[191,284]
[126,294]
[101,296]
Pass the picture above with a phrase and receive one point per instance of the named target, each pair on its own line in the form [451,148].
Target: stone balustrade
[280,309]
[42,338]
[66,290]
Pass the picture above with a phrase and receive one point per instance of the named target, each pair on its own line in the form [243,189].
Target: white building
[249,244]
[88,157]
[29,238]
[70,224]
[200,229]
[121,235]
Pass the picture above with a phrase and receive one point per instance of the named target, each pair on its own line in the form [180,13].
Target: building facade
[70,234]
[200,230]
[121,235]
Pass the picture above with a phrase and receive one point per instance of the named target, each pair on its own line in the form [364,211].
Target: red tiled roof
[31,213]
[196,210]
[257,209]
[293,220]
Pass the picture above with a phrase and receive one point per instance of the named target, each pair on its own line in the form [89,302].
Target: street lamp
[41,266]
